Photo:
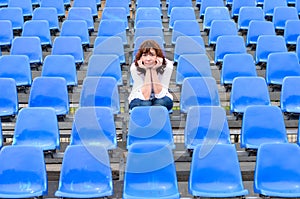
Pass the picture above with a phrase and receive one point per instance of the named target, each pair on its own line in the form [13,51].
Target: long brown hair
[145,48]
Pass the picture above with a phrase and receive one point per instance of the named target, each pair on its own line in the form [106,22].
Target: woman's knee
[139,102]
[165,101]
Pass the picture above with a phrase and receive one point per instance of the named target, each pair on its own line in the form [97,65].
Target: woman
[151,73]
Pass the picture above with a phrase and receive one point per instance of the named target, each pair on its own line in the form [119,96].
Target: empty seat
[257,28]
[68,45]
[87,3]
[9,102]
[209,3]
[37,127]
[247,14]
[214,13]
[149,24]
[192,65]
[60,66]
[198,91]
[248,91]
[267,44]
[108,28]
[237,4]
[115,13]
[181,13]
[280,65]
[110,45]
[105,65]
[291,32]
[150,172]
[42,95]
[290,96]
[282,14]
[185,28]
[221,28]
[236,65]
[119,3]
[82,13]
[6,34]
[13,14]
[262,124]
[276,171]
[177,3]
[150,124]
[85,173]
[228,44]
[188,45]
[25,5]
[94,126]
[269,6]
[147,13]
[149,31]
[100,91]
[22,172]
[57,4]
[206,125]
[49,14]
[16,67]
[215,172]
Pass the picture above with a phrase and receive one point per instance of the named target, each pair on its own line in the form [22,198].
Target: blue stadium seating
[57,4]
[149,24]
[147,13]
[15,15]
[100,91]
[60,66]
[291,32]
[214,13]
[16,67]
[185,28]
[281,15]
[85,173]
[277,171]
[150,124]
[257,28]
[9,102]
[248,91]
[145,3]
[290,96]
[237,4]
[25,5]
[209,3]
[82,13]
[37,126]
[198,91]
[115,13]
[119,3]
[262,124]
[105,65]
[206,125]
[181,13]
[94,126]
[177,3]
[22,172]
[42,95]
[192,65]
[247,14]
[4,3]
[150,172]
[6,34]
[49,14]
[269,6]
[215,172]
[149,31]
[221,28]
[108,28]
[87,3]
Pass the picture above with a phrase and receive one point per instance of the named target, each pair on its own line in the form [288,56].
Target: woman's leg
[165,101]
[139,102]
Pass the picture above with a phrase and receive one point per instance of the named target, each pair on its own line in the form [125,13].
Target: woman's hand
[141,65]
[159,62]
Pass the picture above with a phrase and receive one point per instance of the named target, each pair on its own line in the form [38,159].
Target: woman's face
[149,58]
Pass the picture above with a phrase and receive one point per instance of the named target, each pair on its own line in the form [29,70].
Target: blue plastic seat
[297,6]
[237,4]
[149,31]
[25,5]
[110,45]
[198,91]
[16,67]
[147,13]
[57,4]
[87,3]
[215,172]
[29,46]
[257,28]
[149,24]
[236,65]
[248,91]
[262,124]
[177,3]
[49,14]
[181,13]
[115,13]
[185,28]
[61,66]
[68,45]
[82,13]
[77,28]
[85,173]
[42,95]
[108,28]
[150,172]
[192,65]
[105,65]
[247,14]
[15,15]
[206,125]
[209,3]
[281,65]
[146,4]
[150,124]
[188,45]
[22,172]
[214,13]
[282,14]
[9,102]
[6,34]
[269,6]
[228,44]
[100,91]
[267,44]
[40,29]
[276,171]
[119,3]
[291,32]
[94,126]
[290,95]
[37,126]
[221,28]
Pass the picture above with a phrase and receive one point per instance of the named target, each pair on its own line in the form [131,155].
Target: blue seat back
[87,3]
[115,13]
[221,28]
[188,45]
[147,13]
[214,13]
[109,28]
[185,28]
[77,28]
[57,4]
[82,13]
[26,6]
[181,13]
[209,3]
[258,28]
[15,15]
[291,31]
[282,14]
[177,3]
[6,34]
[49,14]
[290,95]
[119,3]
[9,102]
[269,5]
[149,24]
[38,28]
[237,4]
[247,14]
